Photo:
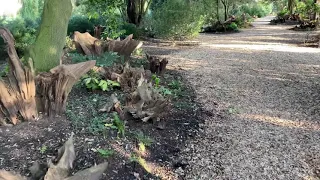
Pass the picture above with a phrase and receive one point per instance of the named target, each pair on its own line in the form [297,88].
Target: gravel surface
[262,94]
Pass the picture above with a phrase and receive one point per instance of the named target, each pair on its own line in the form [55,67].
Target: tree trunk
[224,3]
[50,41]
[291,6]
[136,10]
[19,93]
[218,17]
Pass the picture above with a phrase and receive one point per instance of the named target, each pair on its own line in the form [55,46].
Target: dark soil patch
[36,141]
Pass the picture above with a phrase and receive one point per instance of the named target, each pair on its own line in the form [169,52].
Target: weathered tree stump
[24,94]
[54,87]
[88,45]
[157,65]
[18,95]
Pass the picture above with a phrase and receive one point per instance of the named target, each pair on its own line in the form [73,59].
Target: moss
[47,50]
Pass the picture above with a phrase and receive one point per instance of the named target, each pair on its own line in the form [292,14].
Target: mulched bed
[27,142]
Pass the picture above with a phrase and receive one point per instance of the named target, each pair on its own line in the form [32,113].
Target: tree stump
[157,65]
[54,87]
[88,45]
[18,94]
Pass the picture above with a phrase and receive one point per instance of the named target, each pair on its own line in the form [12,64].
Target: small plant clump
[117,124]
[105,153]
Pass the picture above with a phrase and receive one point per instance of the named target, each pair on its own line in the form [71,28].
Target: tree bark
[17,96]
[136,10]
[50,41]
[225,5]
[218,16]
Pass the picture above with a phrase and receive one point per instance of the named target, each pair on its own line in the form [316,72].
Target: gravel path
[261,93]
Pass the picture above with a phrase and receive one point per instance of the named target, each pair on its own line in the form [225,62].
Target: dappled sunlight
[282,122]
[151,167]
[53,50]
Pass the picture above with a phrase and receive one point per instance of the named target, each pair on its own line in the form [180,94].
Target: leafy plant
[105,153]
[156,80]
[95,83]
[97,124]
[117,124]
[23,30]
[233,27]
[164,91]
[175,84]
[43,149]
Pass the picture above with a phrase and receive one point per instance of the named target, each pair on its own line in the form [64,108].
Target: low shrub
[176,19]
[80,23]
[232,27]
[23,30]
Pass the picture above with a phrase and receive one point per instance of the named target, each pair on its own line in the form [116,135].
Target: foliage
[80,23]
[282,13]
[109,13]
[117,124]
[106,59]
[257,9]
[232,27]
[31,9]
[105,153]
[166,21]
[4,71]
[130,28]
[43,149]
[156,80]
[307,7]
[23,30]
[95,84]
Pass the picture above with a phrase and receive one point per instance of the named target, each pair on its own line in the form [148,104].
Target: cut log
[157,65]
[53,87]
[88,45]
[17,96]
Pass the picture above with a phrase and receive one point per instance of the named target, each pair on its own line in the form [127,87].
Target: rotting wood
[23,94]
[17,96]
[88,45]
[54,87]
[157,65]
[146,103]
